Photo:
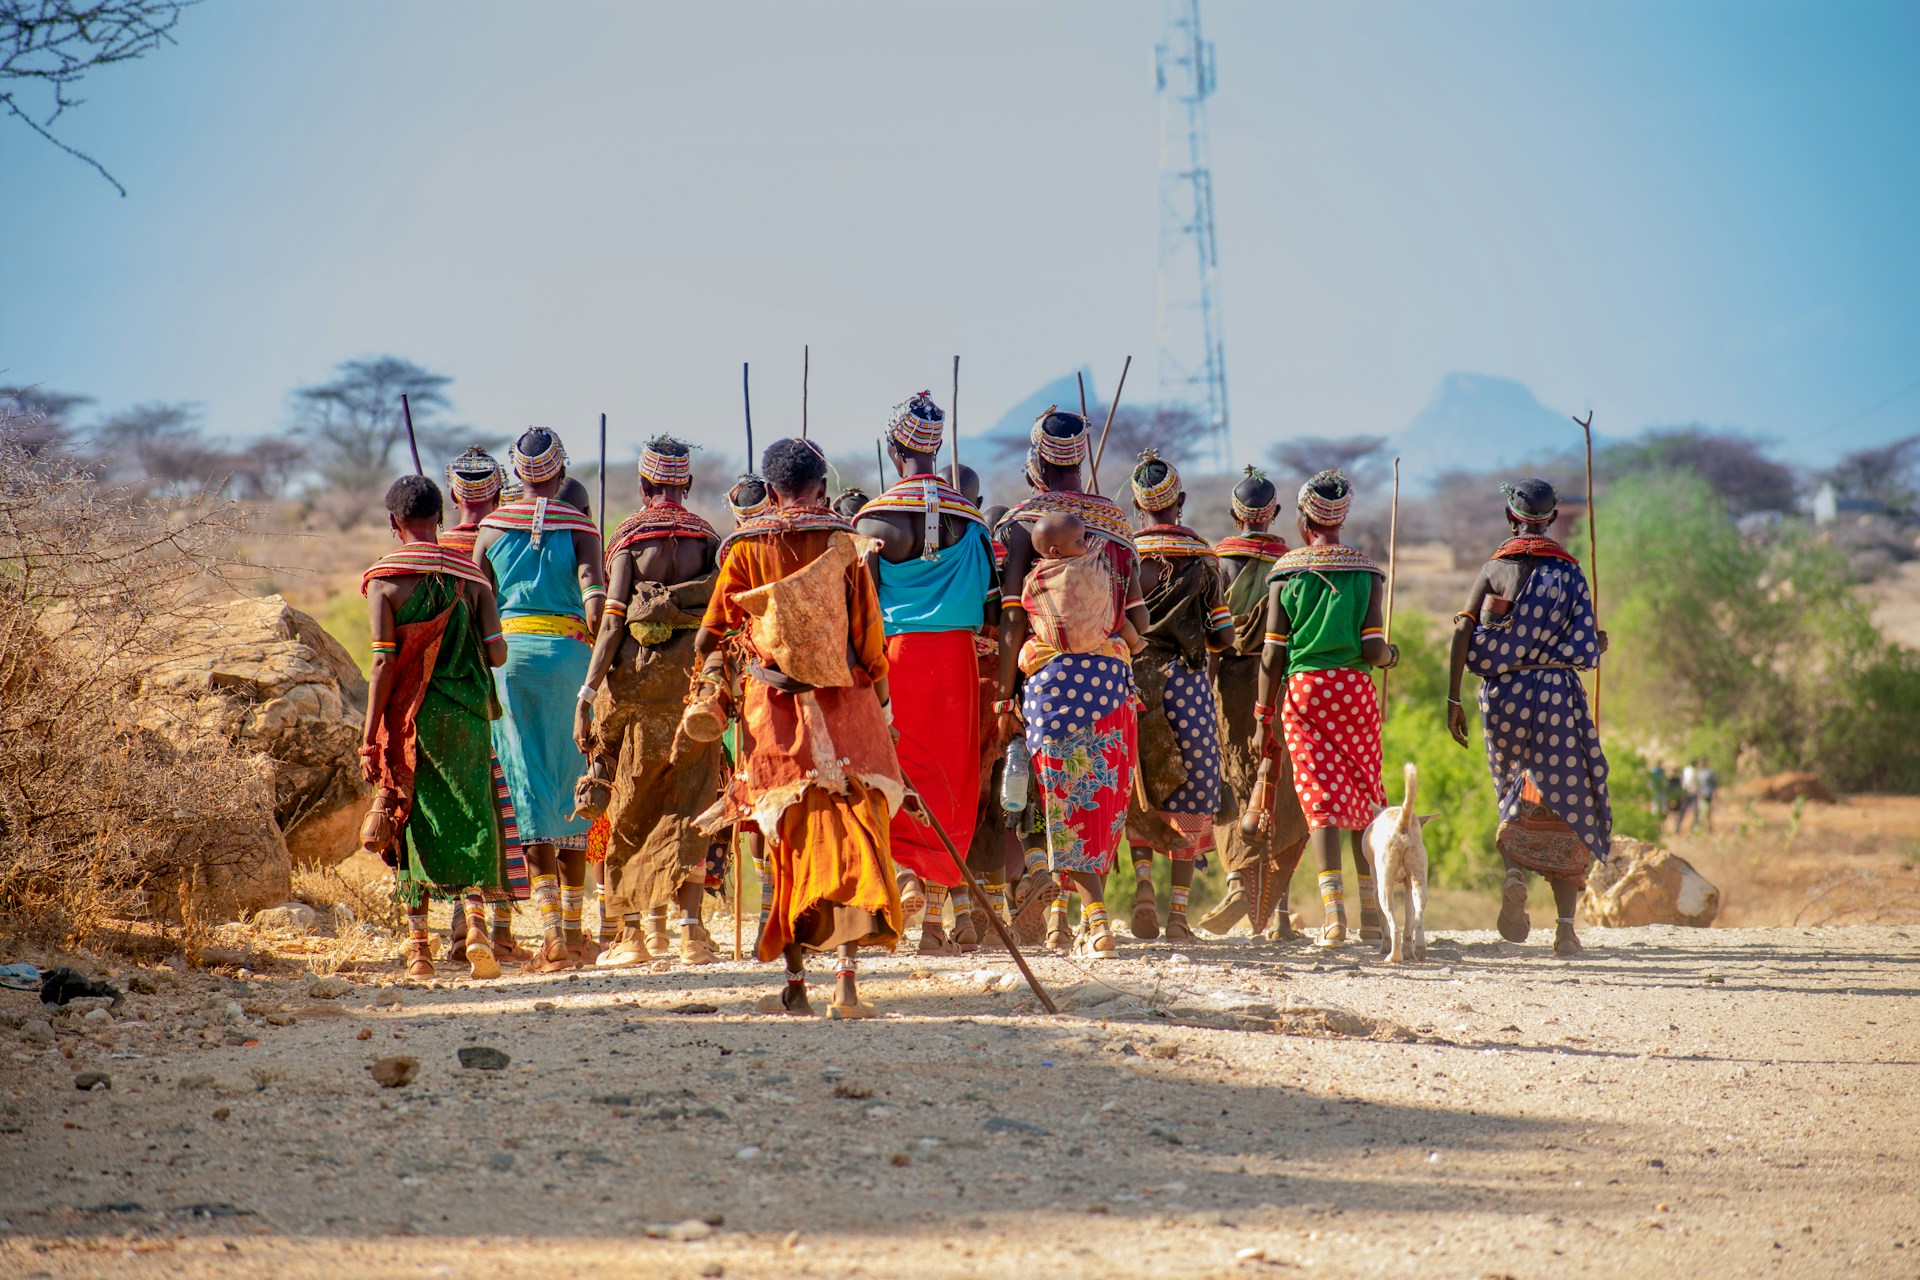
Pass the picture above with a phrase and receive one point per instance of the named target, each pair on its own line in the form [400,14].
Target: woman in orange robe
[816,770]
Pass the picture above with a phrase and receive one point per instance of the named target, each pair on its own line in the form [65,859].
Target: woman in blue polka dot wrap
[1528,631]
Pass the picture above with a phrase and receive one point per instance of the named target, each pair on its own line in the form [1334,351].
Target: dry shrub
[101,817]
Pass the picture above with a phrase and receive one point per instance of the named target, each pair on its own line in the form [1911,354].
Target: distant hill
[1011,431]
[1475,421]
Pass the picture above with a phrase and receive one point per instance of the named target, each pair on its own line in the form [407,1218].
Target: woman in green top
[1324,635]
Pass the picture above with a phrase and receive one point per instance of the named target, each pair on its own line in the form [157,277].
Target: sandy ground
[1720,1102]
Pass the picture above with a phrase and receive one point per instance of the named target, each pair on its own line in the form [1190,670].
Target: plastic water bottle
[1013,783]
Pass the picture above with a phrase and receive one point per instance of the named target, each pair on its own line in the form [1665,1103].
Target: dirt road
[1726,1102]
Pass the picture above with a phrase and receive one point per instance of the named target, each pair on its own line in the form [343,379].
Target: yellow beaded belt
[547,624]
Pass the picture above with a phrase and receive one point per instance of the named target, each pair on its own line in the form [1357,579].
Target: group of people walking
[863,695]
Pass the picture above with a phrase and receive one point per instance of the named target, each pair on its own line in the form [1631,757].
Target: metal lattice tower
[1193,366]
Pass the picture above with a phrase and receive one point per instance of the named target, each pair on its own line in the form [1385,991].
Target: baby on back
[1072,601]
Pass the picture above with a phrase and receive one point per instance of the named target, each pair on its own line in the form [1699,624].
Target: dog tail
[1407,820]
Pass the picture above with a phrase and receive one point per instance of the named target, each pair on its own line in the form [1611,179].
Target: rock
[393,1073]
[1784,788]
[1642,884]
[1331,1020]
[388,999]
[691,1229]
[1007,1124]
[481,1057]
[291,917]
[265,674]
[747,1153]
[329,988]
[37,1031]
[88,1081]
[80,1006]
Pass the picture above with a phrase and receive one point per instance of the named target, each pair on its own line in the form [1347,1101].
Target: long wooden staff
[1101,452]
[1393,547]
[1081,378]
[406,414]
[979,893]
[746,399]
[953,421]
[739,891]
[603,480]
[879,466]
[806,373]
[1593,559]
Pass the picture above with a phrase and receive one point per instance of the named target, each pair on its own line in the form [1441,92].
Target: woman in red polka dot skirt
[1324,634]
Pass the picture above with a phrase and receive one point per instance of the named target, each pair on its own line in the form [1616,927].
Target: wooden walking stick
[1593,559]
[1101,452]
[953,421]
[806,373]
[879,466]
[406,414]
[603,480]
[746,399]
[915,802]
[1393,547]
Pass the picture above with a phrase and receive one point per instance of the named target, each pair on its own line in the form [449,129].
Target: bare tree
[41,418]
[263,469]
[47,46]
[1884,474]
[1736,466]
[355,419]
[1360,458]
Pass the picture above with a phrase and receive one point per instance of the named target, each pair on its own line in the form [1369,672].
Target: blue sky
[1672,211]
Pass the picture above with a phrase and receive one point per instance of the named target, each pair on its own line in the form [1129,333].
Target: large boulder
[270,678]
[1785,788]
[1641,883]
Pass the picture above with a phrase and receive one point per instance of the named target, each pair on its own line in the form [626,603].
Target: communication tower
[1193,366]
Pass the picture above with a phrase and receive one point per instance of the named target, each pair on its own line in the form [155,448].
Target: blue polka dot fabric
[1534,708]
[1190,705]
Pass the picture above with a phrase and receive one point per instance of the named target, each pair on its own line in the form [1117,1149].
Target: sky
[1671,212]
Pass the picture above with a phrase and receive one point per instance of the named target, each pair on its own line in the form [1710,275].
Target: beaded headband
[918,425]
[1323,510]
[743,510]
[540,466]
[1512,494]
[1254,515]
[474,476]
[1060,451]
[1155,497]
[668,469]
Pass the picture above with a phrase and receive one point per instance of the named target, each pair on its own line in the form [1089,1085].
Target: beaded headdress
[918,424]
[1060,451]
[545,465]
[1320,508]
[1154,497]
[740,499]
[666,461]
[475,476]
[1254,515]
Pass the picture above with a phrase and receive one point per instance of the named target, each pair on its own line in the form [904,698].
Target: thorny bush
[103,817]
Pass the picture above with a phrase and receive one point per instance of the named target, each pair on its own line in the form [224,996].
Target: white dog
[1399,857]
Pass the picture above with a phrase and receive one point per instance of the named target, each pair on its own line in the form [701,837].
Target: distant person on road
[1705,784]
[1657,789]
[1689,799]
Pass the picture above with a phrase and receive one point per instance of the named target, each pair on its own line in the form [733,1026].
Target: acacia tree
[47,46]
[355,421]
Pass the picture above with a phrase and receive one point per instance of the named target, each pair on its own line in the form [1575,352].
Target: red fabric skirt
[1331,721]
[934,679]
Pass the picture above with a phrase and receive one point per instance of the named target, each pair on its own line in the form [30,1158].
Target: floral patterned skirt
[1082,732]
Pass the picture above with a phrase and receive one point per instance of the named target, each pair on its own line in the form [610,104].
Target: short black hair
[792,466]
[848,504]
[1151,472]
[1256,490]
[1534,496]
[748,490]
[574,494]
[414,498]
[1060,423]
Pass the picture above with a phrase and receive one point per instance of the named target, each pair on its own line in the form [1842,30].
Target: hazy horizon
[1670,212]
